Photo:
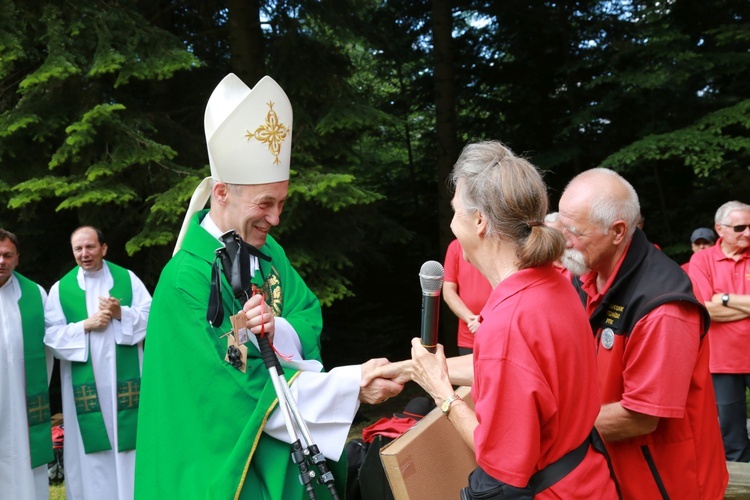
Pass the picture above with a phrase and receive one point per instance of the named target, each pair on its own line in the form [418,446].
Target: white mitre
[249,138]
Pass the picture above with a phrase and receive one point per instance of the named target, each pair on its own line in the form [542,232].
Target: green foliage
[717,141]
[78,130]
[10,123]
[167,210]
[334,191]
[101,109]
[82,133]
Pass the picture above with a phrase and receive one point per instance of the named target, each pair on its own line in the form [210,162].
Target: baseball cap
[703,233]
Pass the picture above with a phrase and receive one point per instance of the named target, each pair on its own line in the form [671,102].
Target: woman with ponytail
[533,370]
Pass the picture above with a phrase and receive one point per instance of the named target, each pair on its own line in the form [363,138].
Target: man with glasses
[658,419]
[722,276]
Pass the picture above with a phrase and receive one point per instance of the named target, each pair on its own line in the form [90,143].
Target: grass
[57,491]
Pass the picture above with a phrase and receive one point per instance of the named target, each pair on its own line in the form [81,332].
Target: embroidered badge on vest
[613,316]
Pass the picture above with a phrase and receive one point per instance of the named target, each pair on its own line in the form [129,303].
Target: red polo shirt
[661,369]
[713,272]
[535,388]
[473,288]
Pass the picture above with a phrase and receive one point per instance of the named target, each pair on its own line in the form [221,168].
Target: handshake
[382,379]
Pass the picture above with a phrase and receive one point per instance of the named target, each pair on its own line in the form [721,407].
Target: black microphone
[431,279]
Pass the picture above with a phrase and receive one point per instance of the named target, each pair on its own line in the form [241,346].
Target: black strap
[563,466]
[215,312]
[560,468]
[234,259]
[485,487]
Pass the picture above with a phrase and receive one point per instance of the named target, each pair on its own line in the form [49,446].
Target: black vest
[646,280]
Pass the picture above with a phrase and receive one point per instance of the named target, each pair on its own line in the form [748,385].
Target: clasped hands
[109,309]
[428,370]
[381,379]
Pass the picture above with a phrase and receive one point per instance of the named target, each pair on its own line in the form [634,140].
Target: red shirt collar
[720,255]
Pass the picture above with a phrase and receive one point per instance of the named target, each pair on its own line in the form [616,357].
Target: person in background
[25,370]
[658,416]
[701,238]
[209,424]
[722,276]
[552,219]
[465,291]
[96,323]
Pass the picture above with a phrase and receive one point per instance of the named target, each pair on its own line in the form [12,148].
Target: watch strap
[446,406]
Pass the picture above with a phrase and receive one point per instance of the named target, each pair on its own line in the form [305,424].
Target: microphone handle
[430,313]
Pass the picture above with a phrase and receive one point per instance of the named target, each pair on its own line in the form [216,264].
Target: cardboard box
[430,460]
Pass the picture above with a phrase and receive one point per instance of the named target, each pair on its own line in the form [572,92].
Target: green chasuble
[31,308]
[200,422]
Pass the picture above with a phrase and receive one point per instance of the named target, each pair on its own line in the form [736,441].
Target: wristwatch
[725,300]
[445,406]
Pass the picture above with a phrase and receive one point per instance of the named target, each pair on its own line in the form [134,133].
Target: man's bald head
[599,211]
[606,196]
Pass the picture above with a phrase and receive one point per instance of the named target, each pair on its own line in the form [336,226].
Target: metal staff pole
[275,372]
[286,400]
[314,455]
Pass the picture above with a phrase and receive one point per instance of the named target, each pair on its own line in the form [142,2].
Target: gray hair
[723,212]
[510,193]
[551,217]
[606,209]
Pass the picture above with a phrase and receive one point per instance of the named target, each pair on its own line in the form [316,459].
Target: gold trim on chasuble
[272,292]
[257,438]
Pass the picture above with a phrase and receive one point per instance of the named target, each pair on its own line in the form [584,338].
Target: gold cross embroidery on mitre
[271,132]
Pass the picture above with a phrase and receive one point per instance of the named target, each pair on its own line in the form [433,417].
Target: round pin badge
[608,338]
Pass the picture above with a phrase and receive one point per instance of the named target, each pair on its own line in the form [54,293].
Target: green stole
[90,419]
[35,366]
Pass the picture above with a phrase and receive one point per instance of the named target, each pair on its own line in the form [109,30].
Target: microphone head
[431,276]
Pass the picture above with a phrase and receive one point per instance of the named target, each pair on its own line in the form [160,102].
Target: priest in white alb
[96,323]
[25,369]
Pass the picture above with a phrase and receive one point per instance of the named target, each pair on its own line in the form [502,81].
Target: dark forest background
[101,122]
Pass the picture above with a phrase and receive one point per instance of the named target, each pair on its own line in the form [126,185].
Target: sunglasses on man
[737,229]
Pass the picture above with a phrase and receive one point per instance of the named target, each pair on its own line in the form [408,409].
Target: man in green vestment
[25,370]
[96,319]
[208,428]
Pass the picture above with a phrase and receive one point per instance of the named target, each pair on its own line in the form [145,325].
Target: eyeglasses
[737,229]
